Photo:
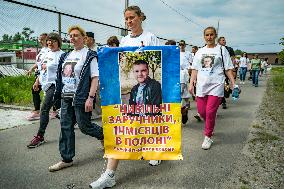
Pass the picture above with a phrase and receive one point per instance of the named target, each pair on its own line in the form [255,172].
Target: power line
[173,9]
[256,44]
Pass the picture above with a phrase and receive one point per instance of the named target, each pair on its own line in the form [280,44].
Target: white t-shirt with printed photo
[185,65]
[210,75]
[244,62]
[146,37]
[48,72]
[72,67]
[40,56]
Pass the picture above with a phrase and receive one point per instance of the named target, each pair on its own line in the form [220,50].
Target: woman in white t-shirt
[244,63]
[46,79]
[138,37]
[209,79]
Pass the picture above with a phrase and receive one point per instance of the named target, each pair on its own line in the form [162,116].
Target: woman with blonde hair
[138,37]
[210,81]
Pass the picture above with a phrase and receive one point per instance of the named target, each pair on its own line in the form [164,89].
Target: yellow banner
[146,137]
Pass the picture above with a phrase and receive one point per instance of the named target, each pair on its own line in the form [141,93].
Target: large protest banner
[140,98]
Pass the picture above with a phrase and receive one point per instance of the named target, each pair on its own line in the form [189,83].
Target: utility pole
[218,28]
[59,24]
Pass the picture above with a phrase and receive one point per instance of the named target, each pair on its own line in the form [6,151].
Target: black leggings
[36,98]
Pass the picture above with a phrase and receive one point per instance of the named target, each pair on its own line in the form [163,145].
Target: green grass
[278,78]
[263,136]
[16,90]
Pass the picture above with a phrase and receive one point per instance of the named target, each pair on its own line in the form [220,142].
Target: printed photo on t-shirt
[207,61]
[68,69]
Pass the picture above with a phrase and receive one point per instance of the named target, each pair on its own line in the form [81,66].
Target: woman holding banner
[138,37]
[209,81]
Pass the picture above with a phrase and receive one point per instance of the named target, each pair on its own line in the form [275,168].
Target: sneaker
[197,117]
[53,115]
[224,105]
[37,141]
[105,181]
[60,165]
[33,116]
[155,162]
[206,143]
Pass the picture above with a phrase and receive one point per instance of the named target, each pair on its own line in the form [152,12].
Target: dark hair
[138,62]
[43,34]
[113,40]
[55,36]
[137,11]
[195,47]
[171,42]
[210,28]
[219,39]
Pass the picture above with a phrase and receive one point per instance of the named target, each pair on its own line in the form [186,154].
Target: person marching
[35,115]
[185,67]
[46,80]
[138,37]
[244,63]
[76,85]
[210,81]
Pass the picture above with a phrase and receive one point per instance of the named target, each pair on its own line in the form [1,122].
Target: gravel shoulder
[261,162]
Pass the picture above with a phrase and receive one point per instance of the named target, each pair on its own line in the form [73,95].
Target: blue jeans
[45,108]
[255,77]
[69,116]
[243,73]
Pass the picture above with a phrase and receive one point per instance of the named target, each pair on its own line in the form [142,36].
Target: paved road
[23,168]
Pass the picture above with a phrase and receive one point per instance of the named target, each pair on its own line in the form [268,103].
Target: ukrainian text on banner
[140,98]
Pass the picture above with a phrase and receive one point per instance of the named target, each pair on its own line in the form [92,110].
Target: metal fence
[17,15]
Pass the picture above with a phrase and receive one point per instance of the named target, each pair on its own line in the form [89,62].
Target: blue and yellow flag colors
[140,97]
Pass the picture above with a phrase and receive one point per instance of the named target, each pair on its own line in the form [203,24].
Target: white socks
[110,172]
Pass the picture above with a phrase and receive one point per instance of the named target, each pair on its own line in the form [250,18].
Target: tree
[238,52]
[6,38]
[152,57]
[17,37]
[281,54]
[27,32]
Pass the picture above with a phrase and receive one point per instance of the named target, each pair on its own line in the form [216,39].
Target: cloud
[242,22]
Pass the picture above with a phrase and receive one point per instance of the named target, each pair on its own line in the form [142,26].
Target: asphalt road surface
[23,168]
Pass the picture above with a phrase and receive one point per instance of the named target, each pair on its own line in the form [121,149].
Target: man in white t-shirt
[185,66]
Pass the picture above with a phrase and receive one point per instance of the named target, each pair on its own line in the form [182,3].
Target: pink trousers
[207,107]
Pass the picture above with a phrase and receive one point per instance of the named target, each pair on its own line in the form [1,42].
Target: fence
[16,15]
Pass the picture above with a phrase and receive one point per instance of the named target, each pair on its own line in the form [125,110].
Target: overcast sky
[249,25]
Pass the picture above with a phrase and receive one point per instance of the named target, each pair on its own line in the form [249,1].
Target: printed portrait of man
[207,61]
[147,90]
[68,69]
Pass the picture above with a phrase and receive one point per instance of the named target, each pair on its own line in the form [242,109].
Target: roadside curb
[14,107]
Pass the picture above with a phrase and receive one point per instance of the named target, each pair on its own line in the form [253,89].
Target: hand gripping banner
[140,98]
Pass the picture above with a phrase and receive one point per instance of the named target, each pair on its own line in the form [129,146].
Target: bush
[16,90]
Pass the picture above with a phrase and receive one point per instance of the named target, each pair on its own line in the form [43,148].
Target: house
[272,57]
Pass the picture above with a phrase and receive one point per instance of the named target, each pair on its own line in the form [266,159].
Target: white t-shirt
[48,75]
[72,67]
[40,56]
[210,75]
[244,62]
[185,65]
[264,64]
[146,37]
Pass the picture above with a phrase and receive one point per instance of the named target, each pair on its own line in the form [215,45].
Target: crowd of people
[70,82]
